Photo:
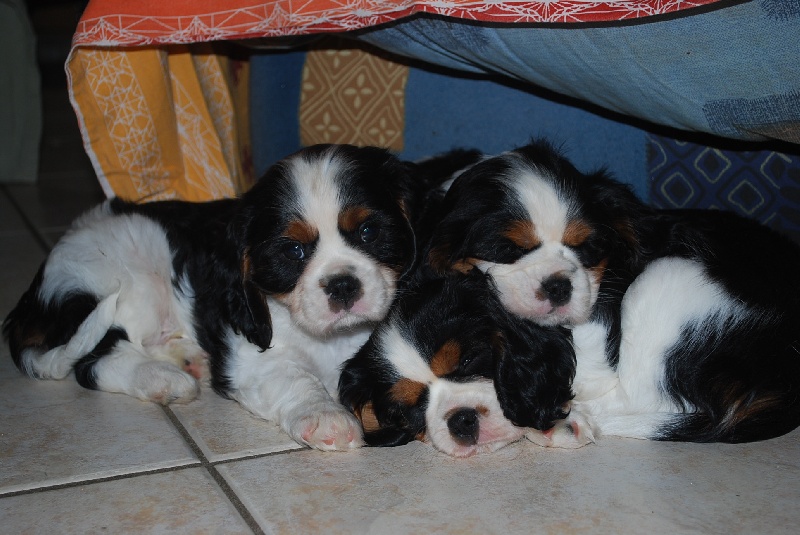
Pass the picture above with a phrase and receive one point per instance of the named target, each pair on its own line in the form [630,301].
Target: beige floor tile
[618,486]
[56,432]
[183,501]
[224,430]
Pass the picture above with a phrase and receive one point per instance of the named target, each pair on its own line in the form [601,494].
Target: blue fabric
[763,185]
[732,71]
[274,104]
[444,112]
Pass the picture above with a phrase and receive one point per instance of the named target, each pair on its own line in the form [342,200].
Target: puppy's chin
[520,289]
[492,429]
[313,311]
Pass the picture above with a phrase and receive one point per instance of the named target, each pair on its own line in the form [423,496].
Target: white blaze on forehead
[404,357]
[548,210]
[318,199]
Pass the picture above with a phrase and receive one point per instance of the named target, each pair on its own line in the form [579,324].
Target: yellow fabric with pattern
[163,123]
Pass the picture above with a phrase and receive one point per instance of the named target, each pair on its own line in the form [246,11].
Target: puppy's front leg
[575,431]
[285,390]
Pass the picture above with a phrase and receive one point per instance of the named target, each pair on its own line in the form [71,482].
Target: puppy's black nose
[343,290]
[557,289]
[464,426]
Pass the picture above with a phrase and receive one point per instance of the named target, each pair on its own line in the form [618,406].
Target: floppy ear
[253,320]
[534,369]
[620,206]
[360,390]
[260,326]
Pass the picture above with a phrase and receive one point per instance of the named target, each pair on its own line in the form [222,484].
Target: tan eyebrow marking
[351,218]
[301,231]
[523,233]
[446,359]
[576,233]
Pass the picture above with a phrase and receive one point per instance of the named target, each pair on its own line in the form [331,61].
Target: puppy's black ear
[625,213]
[256,324]
[259,331]
[534,369]
[360,390]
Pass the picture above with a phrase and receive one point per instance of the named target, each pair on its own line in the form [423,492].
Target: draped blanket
[162,106]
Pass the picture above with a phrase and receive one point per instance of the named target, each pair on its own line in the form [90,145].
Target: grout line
[102,479]
[37,236]
[212,470]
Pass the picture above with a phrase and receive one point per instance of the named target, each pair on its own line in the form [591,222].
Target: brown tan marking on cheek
[437,258]
[465,265]
[576,233]
[523,234]
[407,392]
[420,436]
[31,339]
[300,231]
[246,263]
[446,359]
[366,415]
[599,270]
[625,229]
[284,298]
[351,218]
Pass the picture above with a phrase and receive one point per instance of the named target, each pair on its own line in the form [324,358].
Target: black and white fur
[710,343]
[451,366]
[682,325]
[272,291]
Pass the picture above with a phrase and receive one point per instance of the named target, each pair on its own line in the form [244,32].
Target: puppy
[710,337]
[273,291]
[685,324]
[553,238]
[451,366]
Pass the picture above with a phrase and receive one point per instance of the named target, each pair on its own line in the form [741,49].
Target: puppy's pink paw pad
[331,430]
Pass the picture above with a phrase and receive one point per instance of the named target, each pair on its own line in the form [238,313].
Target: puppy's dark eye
[369,232]
[294,251]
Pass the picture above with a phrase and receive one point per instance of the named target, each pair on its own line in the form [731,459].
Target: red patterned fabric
[153,22]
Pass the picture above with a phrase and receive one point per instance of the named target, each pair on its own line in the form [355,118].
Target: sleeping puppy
[709,353]
[273,291]
[554,239]
[451,366]
[710,338]
[685,325]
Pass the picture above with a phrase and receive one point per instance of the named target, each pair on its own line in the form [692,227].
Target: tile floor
[78,461]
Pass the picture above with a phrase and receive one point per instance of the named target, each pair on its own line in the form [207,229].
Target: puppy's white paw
[164,383]
[185,354]
[572,433]
[330,429]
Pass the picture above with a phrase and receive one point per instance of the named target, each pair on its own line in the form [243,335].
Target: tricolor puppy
[274,291]
[685,325]
[451,366]
[552,237]
[709,352]
[710,339]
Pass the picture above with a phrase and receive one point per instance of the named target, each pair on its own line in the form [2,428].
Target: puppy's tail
[50,352]
[750,417]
